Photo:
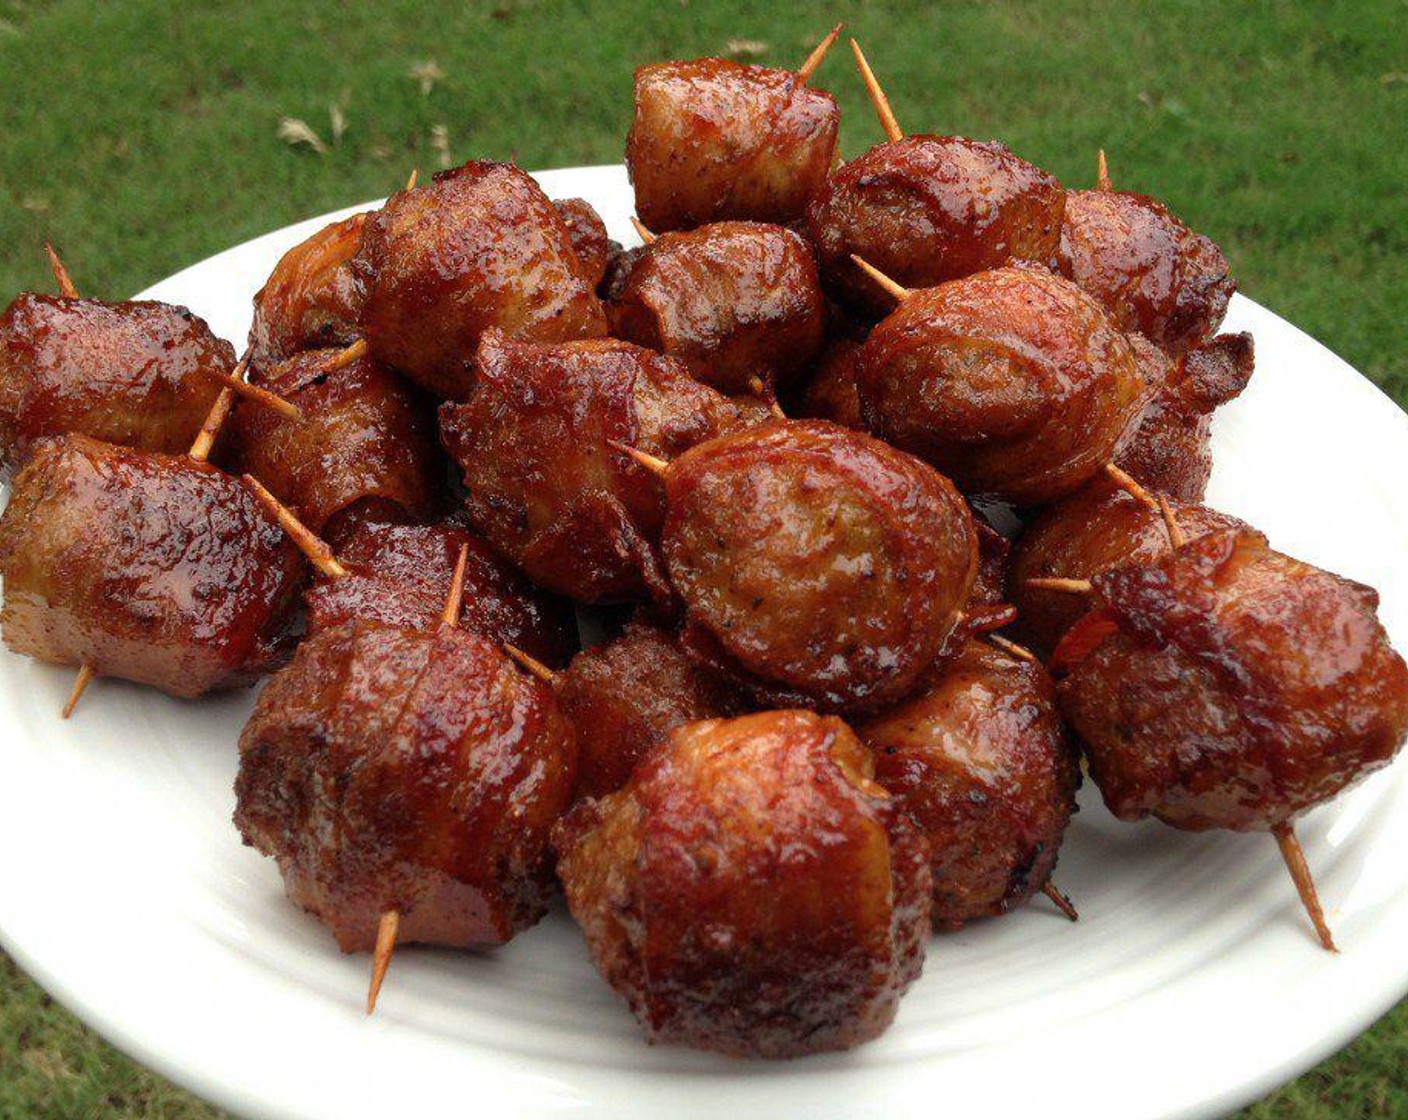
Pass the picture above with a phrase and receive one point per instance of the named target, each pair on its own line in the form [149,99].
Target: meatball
[400,575]
[626,695]
[1012,382]
[1153,274]
[980,760]
[819,565]
[153,568]
[733,301]
[1172,450]
[364,446]
[715,140]
[133,373]
[481,246]
[588,233]
[1099,528]
[831,393]
[927,209]
[313,298]
[751,890]
[544,484]
[1227,685]
[407,770]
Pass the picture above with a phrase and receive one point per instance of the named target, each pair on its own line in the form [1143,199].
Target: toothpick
[759,389]
[411,179]
[1102,173]
[645,234]
[61,276]
[308,542]
[454,601]
[531,663]
[808,68]
[1063,903]
[650,462]
[1127,483]
[287,409]
[877,96]
[86,673]
[1176,536]
[1294,856]
[1021,653]
[893,287]
[381,957]
[346,356]
[1052,583]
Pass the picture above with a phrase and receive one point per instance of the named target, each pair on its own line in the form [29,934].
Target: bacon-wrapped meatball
[821,566]
[751,890]
[1099,528]
[1013,382]
[1227,685]
[400,575]
[624,696]
[714,140]
[133,373]
[732,300]
[831,393]
[481,246]
[408,770]
[313,297]
[588,234]
[545,486]
[363,449]
[1153,274]
[980,760]
[153,568]
[927,209]
[1171,450]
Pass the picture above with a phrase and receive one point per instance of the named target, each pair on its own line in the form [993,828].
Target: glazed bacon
[481,246]
[135,373]
[751,890]
[734,301]
[1013,382]
[153,568]
[1227,685]
[545,486]
[400,575]
[364,447]
[1172,449]
[819,566]
[714,140]
[1099,528]
[979,758]
[408,770]
[1152,273]
[626,695]
[588,233]
[313,298]
[926,209]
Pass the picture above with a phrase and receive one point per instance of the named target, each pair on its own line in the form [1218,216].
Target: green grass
[141,136]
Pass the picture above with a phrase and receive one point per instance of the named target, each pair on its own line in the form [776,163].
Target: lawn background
[143,136]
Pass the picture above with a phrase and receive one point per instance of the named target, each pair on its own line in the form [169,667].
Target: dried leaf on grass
[426,74]
[294,132]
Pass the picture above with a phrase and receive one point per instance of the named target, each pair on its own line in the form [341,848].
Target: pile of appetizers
[764,451]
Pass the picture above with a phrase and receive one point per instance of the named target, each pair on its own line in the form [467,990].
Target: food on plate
[818,566]
[480,246]
[545,485]
[313,298]
[1227,685]
[980,760]
[926,209]
[751,889]
[734,301]
[1013,382]
[714,140]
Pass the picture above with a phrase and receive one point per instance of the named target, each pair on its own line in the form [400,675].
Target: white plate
[1191,985]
